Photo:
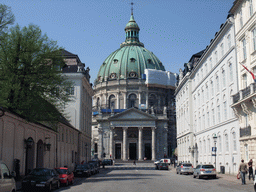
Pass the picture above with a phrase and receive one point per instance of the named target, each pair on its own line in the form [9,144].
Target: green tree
[31,82]
[6,18]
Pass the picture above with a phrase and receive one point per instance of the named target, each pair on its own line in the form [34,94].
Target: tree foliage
[31,82]
[6,18]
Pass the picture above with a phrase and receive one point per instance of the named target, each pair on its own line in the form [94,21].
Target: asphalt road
[144,178]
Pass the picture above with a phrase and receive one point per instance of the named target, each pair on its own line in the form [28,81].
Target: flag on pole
[249,72]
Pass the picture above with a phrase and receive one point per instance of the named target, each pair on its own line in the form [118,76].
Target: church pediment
[134,115]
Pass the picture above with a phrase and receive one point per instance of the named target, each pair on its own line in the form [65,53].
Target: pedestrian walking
[243,171]
[250,169]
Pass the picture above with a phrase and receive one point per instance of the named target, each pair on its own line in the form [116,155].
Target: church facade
[133,103]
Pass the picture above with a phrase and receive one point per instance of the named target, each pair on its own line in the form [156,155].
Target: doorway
[118,150]
[148,151]
[40,154]
[132,151]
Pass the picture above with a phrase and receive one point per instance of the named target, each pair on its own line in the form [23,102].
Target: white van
[7,182]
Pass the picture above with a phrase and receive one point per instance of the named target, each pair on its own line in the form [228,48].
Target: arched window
[112,102]
[234,140]
[152,100]
[98,103]
[132,100]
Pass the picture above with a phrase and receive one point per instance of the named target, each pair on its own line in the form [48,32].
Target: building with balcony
[244,100]
[203,99]
[133,103]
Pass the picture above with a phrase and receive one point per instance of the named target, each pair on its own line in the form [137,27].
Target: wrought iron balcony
[246,131]
[244,93]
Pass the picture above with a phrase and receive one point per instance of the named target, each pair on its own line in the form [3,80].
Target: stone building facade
[131,109]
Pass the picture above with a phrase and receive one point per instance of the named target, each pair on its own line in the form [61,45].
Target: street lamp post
[215,142]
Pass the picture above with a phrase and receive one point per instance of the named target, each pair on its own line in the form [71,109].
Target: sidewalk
[227,177]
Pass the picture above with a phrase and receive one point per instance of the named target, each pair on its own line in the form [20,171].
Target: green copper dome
[130,60]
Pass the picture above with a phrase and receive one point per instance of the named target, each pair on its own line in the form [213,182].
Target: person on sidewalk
[250,169]
[243,171]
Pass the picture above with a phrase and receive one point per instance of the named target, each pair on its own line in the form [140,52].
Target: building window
[231,72]
[222,49]
[216,57]
[204,146]
[210,63]
[251,7]
[203,121]
[98,103]
[218,111]
[220,145]
[244,49]
[254,38]
[199,123]
[225,110]
[206,70]
[226,140]
[212,88]
[241,19]
[246,152]
[132,100]
[133,74]
[218,83]
[95,148]
[111,102]
[213,117]
[208,119]
[195,124]
[112,76]
[234,140]
[229,41]
[209,146]
[207,93]
[244,80]
[71,90]
[133,60]
[115,61]
[152,100]
[224,78]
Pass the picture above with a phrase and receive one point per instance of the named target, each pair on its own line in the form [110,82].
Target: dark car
[82,170]
[93,168]
[107,162]
[96,166]
[66,176]
[163,166]
[41,178]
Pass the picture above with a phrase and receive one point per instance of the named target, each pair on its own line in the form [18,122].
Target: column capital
[140,128]
[112,128]
[153,128]
[125,128]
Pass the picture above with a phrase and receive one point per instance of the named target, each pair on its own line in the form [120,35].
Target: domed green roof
[130,60]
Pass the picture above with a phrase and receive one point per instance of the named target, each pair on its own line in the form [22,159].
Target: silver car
[204,170]
[7,182]
[184,168]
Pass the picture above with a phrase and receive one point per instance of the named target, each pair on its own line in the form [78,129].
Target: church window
[149,61]
[152,100]
[132,60]
[115,61]
[112,75]
[132,100]
[111,101]
[98,103]
[133,74]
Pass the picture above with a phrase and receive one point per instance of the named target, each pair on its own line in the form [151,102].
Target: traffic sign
[214,149]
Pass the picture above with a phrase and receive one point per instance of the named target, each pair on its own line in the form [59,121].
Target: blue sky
[173,30]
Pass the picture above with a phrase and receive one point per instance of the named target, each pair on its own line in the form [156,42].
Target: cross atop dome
[132,8]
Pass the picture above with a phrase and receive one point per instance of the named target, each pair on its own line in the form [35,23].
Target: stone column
[165,139]
[118,101]
[111,141]
[125,95]
[140,143]
[153,143]
[124,143]
[139,98]
[106,99]
[100,144]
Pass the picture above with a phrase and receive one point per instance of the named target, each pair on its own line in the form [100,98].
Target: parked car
[7,182]
[82,170]
[41,178]
[184,168]
[204,170]
[163,166]
[166,160]
[97,162]
[93,168]
[66,176]
[96,166]
[107,162]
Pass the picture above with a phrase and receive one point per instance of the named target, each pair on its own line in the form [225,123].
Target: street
[144,178]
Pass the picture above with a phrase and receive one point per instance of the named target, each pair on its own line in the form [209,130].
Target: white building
[244,100]
[79,110]
[203,100]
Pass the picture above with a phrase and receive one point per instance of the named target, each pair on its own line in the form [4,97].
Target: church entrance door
[133,151]
[148,151]
[118,151]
